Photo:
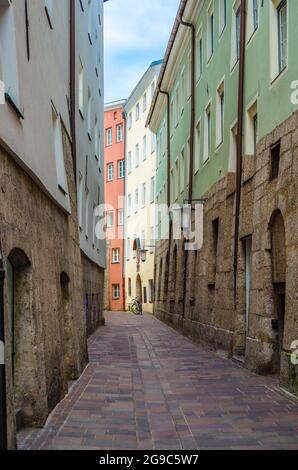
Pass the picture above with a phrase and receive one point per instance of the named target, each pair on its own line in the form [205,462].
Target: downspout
[3,411]
[239,140]
[72,71]
[192,139]
[124,114]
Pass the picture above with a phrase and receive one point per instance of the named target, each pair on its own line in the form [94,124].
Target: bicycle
[136,307]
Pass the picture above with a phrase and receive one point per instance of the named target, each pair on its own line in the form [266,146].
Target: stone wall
[93,289]
[196,293]
[42,246]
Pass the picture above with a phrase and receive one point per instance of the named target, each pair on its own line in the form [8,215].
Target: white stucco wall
[92,58]
[144,218]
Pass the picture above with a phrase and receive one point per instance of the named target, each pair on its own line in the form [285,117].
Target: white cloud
[136,33]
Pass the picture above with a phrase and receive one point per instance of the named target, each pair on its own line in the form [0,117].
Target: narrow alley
[148,387]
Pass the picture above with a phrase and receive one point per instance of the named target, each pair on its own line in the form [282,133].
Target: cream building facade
[140,192]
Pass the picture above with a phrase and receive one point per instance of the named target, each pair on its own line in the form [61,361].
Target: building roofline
[171,42]
[115,104]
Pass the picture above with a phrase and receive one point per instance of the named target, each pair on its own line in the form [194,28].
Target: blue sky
[136,34]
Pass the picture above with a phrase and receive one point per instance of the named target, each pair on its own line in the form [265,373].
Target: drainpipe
[239,139]
[3,412]
[192,137]
[72,68]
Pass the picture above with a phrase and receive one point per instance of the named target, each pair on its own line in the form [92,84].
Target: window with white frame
[129,121]
[120,217]
[282,35]
[137,155]
[119,133]
[222,16]
[110,172]
[199,55]
[183,90]
[87,201]
[144,148]
[137,111]
[144,195]
[255,14]
[80,201]
[110,218]
[235,33]
[89,113]
[251,129]
[129,162]
[116,291]
[210,33]
[109,137]
[198,146]
[220,111]
[96,138]
[121,169]
[129,205]
[238,32]
[233,147]
[207,136]
[144,102]
[136,200]
[59,154]
[188,80]
[116,255]
[152,189]
[153,142]
[182,170]
[177,105]
[81,87]
[177,182]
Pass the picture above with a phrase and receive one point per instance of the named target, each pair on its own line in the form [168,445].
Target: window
[182,171]
[145,295]
[59,155]
[153,142]
[110,218]
[207,134]
[144,148]
[130,121]
[255,14]
[116,291]
[137,155]
[188,86]
[87,199]
[144,102]
[144,195]
[275,160]
[129,162]
[151,291]
[49,11]
[80,201]
[198,147]
[136,200]
[110,172]
[176,179]
[199,56]
[128,248]
[109,137]
[238,32]
[210,27]
[96,138]
[215,237]
[152,190]
[152,239]
[152,89]
[183,90]
[120,217]
[252,130]
[177,105]
[222,16]
[121,169]
[137,111]
[282,35]
[116,255]
[81,88]
[129,205]
[220,104]
[119,133]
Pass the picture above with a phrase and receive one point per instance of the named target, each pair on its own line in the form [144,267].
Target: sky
[136,34]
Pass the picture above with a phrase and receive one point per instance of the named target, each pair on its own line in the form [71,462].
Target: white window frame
[144,199]
[208,133]
[198,146]
[210,32]
[220,114]
[110,219]
[121,169]
[116,255]
[110,172]
[109,137]
[119,133]
[223,12]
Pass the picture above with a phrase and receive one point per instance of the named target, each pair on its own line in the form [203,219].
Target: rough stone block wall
[52,347]
[208,312]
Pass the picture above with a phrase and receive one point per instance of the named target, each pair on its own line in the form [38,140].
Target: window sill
[14,106]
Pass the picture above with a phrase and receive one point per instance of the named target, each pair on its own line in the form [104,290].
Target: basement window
[275,159]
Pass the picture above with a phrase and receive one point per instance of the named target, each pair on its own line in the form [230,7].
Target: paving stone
[147,387]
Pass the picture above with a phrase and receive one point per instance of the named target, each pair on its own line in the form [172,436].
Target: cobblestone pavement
[147,387]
